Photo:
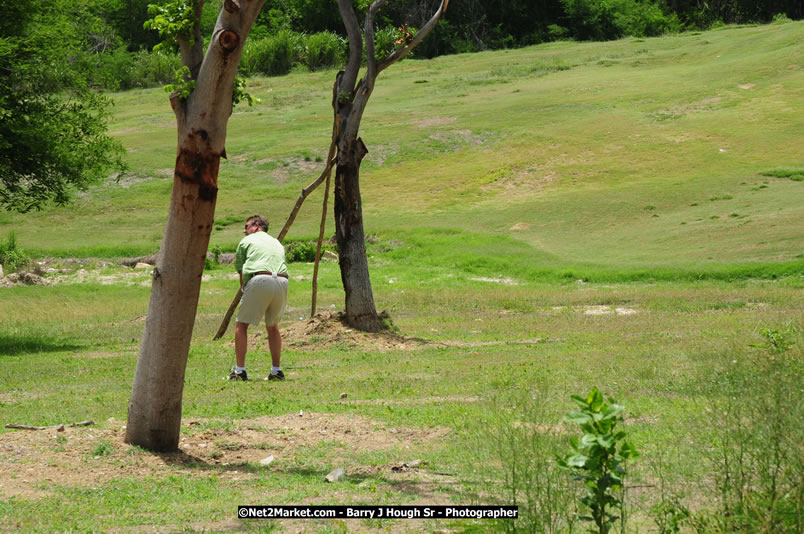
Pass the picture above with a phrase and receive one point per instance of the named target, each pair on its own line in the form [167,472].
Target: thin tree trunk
[360,310]
[318,247]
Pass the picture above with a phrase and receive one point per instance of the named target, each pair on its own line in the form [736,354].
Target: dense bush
[298,251]
[272,55]
[324,49]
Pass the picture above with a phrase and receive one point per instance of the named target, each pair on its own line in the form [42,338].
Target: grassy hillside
[639,154]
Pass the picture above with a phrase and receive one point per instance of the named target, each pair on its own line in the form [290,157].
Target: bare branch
[355,44]
[420,35]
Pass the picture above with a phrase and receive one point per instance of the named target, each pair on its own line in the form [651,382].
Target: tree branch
[419,37]
[368,29]
[355,45]
[192,55]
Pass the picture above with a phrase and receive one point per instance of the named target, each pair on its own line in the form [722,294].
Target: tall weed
[515,451]
[12,257]
[758,463]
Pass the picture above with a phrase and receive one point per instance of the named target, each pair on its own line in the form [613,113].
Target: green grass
[622,214]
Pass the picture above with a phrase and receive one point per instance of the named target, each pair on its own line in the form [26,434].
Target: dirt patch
[327,329]
[520,226]
[607,310]
[434,121]
[504,281]
[33,460]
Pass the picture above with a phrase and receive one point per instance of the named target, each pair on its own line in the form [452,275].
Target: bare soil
[34,460]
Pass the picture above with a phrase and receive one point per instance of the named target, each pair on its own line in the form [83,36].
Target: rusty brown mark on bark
[231,6]
[199,165]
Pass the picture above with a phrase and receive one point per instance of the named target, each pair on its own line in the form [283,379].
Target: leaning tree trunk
[360,310]
[154,411]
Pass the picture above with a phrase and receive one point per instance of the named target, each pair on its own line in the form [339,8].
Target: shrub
[112,70]
[273,56]
[647,20]
[324,49]
[599,458]
[299,251]
[152,69]
[12,257]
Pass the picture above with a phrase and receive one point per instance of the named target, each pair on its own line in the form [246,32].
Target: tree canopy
[52,124]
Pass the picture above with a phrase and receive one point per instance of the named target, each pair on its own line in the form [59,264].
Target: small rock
[301,413]
[141,265]
[60,428]
[1,270]
[335,475]
[267,461]
[328,255]
[342,396]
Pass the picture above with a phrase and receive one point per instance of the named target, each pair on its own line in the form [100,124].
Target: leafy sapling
[599,458]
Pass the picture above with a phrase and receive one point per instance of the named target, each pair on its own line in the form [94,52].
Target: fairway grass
[679,152]
[625,215]
[660,348]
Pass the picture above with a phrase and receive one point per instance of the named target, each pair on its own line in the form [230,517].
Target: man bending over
[260,261]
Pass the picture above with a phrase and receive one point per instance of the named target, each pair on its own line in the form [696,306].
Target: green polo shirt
[259,252]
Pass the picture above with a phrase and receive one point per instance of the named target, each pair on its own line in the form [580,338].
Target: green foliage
[272,55]
[174,20]
[599,458]
[52,125]
[183,85]
[388,39]
[670,515]
[521,469]
[240,93]
[757,462]
[324,49]
[104,448]
[216,254]
[301,251]
[12,257]
[794,173]
[610,19]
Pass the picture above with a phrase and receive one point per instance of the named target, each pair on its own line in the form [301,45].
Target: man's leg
[274,344]
[241,343]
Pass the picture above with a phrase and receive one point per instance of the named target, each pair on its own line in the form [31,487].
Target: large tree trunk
[154,411]
[360,310]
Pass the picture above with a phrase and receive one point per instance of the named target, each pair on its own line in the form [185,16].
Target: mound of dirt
[24,278]
[327,329]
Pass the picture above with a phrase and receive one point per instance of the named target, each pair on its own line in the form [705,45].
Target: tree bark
[360,310]
[154,411]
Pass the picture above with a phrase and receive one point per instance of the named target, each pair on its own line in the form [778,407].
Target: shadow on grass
[13,345]
[428,484]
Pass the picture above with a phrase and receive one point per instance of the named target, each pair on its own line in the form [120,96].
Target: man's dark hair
[260,220]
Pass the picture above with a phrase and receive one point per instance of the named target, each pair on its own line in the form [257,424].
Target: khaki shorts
[265,297]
